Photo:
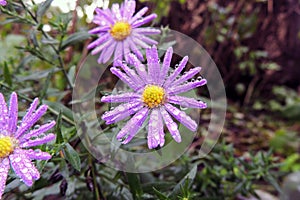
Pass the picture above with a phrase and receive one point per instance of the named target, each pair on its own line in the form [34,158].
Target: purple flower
[3,2]
[15,140]
[119,32]
[155,90]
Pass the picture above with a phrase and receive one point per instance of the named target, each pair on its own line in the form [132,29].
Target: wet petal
[155,131]
[176,72]
[188,75]
[171,125]
[3,113]
[138,15]
[4,168]
[37,154]
[186,102]
[186,87]
[38,141]
[124,78]
[144,20]
[153,64]
[120,98]
[13,113]
[166,65]
[34,133]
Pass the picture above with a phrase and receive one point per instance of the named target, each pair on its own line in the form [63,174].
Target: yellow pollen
[120,30]
[6,146]
[153,96]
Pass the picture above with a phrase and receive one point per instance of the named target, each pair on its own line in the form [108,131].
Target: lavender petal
[30,111]
[186,87]
[171,125]
[134,49]
[121,109]
[176,72]
[34,133]
[139,67]
[3,113]
[140,43]
[146,31]
[182,117]
[120,98]
[21,166]
[186,102]
[166,65]
[4,167]
[118,55]
[124,78]
[123,115]
[99,41]
[129,9]
[144,20]
[155,131]
[38,141]
[116,11]
[102,46]
[153,64]
[132,126]
[13,113]
[138,15]
[99,29]
[106,55]
[188,75]
[37,154]
[105,15]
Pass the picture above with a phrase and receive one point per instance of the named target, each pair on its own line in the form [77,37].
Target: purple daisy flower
[119,32]
[15,139]
[155,90]
[3,2]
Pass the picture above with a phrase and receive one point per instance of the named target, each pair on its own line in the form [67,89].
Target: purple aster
[3,2]
[16,139]
[119,32]
[154,92]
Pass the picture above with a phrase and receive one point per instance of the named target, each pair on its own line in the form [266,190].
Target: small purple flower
[155,90]
[3,2]
[15,140]
[119,32]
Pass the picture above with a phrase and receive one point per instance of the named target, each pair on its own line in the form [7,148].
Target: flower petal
[99,41]
[13,113]
[182,117]
[37,154]
[131,73]
[118,52]
[129,9]
[176,72]
[186,87]
[186,102]
[31,109]
[3,113]
[104,14]
[166,65]
[147,31]
[102,46]
[38,141]
[134,49]
[132,126]
[120,98]
[99,29]
[188,75]
[124,78]
[106,55]
[4,167]
[138,15]
[171,125]
[153,64]
[139,67]
[37,132]
[144,20]
[155,131]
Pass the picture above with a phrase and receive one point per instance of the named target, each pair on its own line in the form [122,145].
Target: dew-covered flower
[3,2]
[17,138]
[120,33]
[155,89]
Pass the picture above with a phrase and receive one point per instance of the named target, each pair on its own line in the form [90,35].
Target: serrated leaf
[74,38]
[43,7]
[72,156]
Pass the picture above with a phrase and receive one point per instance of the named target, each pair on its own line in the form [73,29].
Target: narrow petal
[132,126]
[126,50]
[31,109]
[139,67]
[38,141]
[129,9]
[155,131]
[140,43]
[125,114]
[120,98]
[134,49]
[176,72]
[35,133]
[171,125]
[102,46]
[131,73]
[124,78]
[21,166]
[188,75]
[105,15]
[182,117]
[37,154]
[13,113]
[138,15]
[99,41]
[153,64]
[121,109]
[99,29]
[115,8]
[166,65]
[144,20]
[186,102]
[186,87]
[147,31]
[106,55]
[3,113]
[4,167]
[118,52]
[31,120]
[146,39]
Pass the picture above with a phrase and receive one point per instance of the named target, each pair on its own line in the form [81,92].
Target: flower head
[119,32]
[15,140]
[155,90]
[3,2]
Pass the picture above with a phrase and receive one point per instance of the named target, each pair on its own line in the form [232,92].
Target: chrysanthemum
[119,32]
[3,2]
[15,140]
[155,89]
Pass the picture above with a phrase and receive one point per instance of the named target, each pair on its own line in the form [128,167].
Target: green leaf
[74,38]
[59,137]
[43,7]
[37,75]
[134,185]
[46,86]
[7,76]
[56,107]
[160,195]
[72,156]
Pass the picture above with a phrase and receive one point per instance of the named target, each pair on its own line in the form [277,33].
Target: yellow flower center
[153,96]
[6,146]
[120,30]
